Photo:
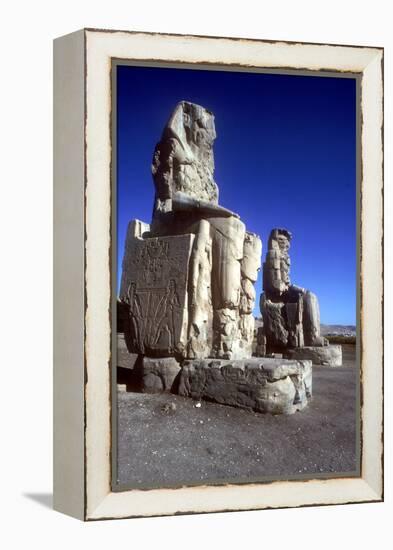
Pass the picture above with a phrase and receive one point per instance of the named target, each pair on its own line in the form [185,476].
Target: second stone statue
[291,320]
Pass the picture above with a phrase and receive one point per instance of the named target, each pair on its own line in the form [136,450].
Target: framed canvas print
[218,328]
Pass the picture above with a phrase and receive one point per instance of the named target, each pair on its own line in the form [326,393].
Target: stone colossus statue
[290,313]
[225,258]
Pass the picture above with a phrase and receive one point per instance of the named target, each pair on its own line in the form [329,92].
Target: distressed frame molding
[82,473]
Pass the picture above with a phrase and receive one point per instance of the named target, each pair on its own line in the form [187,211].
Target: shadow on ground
[45,499]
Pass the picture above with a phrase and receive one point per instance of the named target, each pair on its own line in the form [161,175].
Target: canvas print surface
[235,349]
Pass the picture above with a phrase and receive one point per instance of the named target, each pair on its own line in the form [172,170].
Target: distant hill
[342,330]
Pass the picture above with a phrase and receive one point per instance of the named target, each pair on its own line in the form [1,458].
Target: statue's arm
[182,202]
[298,289]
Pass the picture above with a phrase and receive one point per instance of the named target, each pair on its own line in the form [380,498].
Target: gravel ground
[168,440]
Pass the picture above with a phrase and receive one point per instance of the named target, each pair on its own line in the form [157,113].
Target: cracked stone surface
[329,356]
[159,374]
[276,386]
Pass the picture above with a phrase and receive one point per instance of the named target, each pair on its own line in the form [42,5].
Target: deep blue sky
[285,156]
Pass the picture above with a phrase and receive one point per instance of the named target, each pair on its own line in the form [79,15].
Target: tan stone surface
[277,386]
[327,355]
[155,287]
[159,375]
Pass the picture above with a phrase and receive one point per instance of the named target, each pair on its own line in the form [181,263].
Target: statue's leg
[294,319]
[249,267]
[199,297]
[311,321]
[274,325]
[228,239]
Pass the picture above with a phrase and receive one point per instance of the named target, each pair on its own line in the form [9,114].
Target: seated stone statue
[290,313]
[188,278]
[291,320]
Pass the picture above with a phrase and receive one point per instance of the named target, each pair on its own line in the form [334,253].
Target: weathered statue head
[183,160]
[277,265]
[193,126]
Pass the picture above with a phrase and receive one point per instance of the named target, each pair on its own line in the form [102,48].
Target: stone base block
[160,375]
[277,386]
[327,355]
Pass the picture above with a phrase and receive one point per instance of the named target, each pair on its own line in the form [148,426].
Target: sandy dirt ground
[168,440]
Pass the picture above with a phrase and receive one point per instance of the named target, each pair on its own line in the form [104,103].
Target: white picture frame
[82,258]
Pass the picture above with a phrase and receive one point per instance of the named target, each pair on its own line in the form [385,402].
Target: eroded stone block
[155,288]
[277,386]
[159,375]
[330,356]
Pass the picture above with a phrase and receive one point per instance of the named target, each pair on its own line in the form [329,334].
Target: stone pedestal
[276,386]
[159,375]
[326,355]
